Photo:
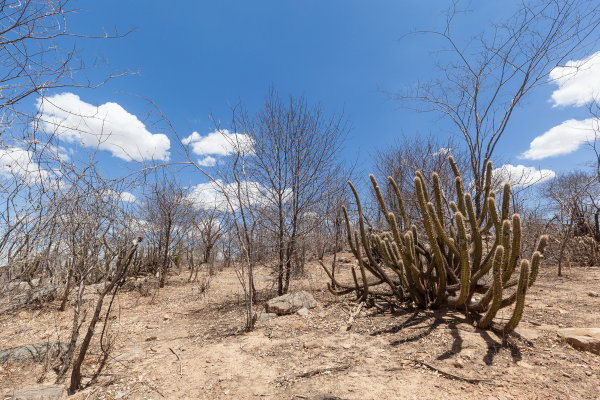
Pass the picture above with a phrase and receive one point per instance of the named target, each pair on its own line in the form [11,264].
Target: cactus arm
[400,202]
[465,271]
[520,302]
[515,246]
[496,288]
[505,201]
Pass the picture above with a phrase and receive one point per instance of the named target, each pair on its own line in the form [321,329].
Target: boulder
[290,303]
[47,392]
[32,352]
[587,339]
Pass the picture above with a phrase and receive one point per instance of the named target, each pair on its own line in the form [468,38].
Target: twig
[447,374]
[353,314]
[178,359]
[324,370]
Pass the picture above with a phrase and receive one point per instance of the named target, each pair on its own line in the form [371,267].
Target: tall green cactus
[443,264]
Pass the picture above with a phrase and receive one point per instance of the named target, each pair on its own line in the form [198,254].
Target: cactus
[443,264]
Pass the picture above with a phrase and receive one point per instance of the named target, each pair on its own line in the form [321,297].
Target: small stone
[166,317]
[593,294]
[525,365]
[313,344]
[458,363]
[300,325]
[346,346]
[151,338]
[303,312]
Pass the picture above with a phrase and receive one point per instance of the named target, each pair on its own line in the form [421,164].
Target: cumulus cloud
[562,139]
[520,175]
[211,195]
[127,197]
[220,142]
[578,81]
[108,126]
[15,161]
[443,151]
[207,161]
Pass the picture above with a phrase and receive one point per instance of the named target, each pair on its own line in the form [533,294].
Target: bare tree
[168,214]
[574,202]
[408,155]
[295,161]
[483,82]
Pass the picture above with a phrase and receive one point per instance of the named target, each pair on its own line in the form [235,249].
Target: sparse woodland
[435,274]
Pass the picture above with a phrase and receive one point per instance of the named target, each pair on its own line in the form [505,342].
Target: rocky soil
[183,343]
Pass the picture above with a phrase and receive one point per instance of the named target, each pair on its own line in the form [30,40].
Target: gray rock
[48,392]
[128,356]
[32,352]
[265,316]
[290,303]
[587,339]
[528,334]
[303,312]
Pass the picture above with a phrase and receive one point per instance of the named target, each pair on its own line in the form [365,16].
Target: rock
[32,352]
[313,344]
[525,365]
[587,339]
[266,316]
[593,294]
[299,325]
[303,312]
[47,392]
[458,363]
[528,334]
[325,396]
[166,317]
[290,303]
[128,356]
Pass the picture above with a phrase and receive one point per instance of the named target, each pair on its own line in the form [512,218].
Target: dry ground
[406,355]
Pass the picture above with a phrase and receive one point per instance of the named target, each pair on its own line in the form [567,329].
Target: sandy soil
[405,355]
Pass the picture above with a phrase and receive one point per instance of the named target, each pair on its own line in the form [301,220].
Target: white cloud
[443,151]
[15,161]
[520,175]
[578,81]
[219,142]
[108,126]
[127,197]
[207,161]
[562,139]
[212,195]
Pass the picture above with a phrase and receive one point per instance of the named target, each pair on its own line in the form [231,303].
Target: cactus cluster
[443,263]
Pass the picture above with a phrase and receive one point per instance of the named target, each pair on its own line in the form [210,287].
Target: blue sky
[192,58]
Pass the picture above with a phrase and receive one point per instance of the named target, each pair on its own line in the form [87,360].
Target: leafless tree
[295,161]
[167,213]
[483,81]
[574,199]
[408,155]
